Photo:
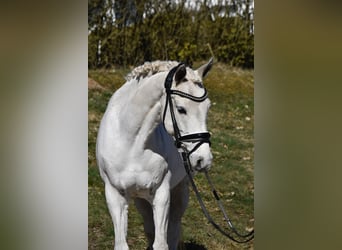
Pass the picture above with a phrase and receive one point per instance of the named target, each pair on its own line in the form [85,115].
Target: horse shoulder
[163,144]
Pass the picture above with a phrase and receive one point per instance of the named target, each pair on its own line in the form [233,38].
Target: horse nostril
[199,161]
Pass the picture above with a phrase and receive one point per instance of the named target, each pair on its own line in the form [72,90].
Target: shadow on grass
[192,245]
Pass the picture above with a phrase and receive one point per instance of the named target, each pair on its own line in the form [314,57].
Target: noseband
[198,138]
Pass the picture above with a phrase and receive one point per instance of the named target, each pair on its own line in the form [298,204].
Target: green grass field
[230,122]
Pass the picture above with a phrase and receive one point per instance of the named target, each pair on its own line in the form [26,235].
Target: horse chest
[139,176]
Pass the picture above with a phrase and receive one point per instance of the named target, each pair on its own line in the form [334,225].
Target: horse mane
[150,68]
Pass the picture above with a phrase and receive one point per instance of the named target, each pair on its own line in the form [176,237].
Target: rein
[198,138]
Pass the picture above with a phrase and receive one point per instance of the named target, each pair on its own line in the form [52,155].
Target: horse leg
[161,205]
[179,202]
[145,209]
[118,208]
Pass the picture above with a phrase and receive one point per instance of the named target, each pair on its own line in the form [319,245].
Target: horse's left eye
[181,110]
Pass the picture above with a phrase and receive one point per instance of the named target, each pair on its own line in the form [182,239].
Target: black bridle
[198,138]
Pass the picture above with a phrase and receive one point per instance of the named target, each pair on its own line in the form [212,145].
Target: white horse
[136,153]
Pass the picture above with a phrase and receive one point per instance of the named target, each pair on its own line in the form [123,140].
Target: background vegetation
[126,33]
[130,32]
[230,121]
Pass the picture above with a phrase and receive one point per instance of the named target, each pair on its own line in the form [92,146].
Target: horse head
[185,115]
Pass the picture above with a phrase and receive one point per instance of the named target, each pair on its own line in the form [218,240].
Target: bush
[168,31]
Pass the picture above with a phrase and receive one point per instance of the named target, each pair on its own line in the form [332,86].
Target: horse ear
[180,74]
[204,69]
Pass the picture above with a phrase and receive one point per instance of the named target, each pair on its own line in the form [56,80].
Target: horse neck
[143,109]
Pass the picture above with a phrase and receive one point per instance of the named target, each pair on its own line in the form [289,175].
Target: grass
[230,121]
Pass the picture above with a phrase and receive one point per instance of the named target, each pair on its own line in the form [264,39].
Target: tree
[131,32]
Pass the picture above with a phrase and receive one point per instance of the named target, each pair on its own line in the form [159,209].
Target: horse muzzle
[201,159]
[196,149]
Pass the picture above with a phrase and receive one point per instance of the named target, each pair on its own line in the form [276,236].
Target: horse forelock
[150,68]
